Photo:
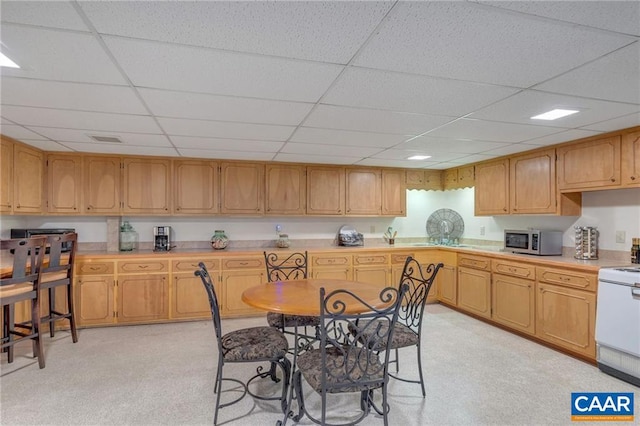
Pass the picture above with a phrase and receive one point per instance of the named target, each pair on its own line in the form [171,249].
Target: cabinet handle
[143,266]
[94,268]
[504,209]
[244,263]
[633,178]
[613,180]
[564,278]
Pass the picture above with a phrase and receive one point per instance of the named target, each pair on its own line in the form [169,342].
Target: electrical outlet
[621,237]
[482,230]
[278,228]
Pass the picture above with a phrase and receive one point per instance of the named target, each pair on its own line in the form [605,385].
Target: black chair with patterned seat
[248,345]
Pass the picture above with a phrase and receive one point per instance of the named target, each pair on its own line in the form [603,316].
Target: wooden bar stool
[24,284]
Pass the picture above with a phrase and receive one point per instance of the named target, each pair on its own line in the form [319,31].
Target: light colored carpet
[163,375]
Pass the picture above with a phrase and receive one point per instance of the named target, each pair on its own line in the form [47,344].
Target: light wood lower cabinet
[474,285]
[514,302]
[331,266]
[189,299]
[94,291]
[143,291]
[372,268]
[238,274]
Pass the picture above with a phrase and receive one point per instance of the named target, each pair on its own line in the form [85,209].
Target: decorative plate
[443,221]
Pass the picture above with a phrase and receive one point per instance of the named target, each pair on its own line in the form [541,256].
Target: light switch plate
[620,237]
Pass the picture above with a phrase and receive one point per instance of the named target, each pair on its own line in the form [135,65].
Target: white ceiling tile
[194,69]
[223,108]
[561,137]
[379,162]
[491,45]
[5,121]
[614,77]
[320,31]
[319,149]
[59,14]
[359,87]
[98,121]
[225,155]
[187,142]
[373,120]
[315,159]
[19,132]
[58,55]
[403,155]
[491,131]
[474,158]
[220,129]
[445,165]
[46,145]
[521,107]
[630,120]
[511,149]
[346,137]
[83,136]
[623,18]
[433,145]
[118,149]
[76,96]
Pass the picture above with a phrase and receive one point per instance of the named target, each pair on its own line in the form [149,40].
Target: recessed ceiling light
[554,114]
[110,139]
[6,62]
[419,157]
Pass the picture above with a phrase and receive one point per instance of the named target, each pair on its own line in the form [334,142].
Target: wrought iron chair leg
[420,370]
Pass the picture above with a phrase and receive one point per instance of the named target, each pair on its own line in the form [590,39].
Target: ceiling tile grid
[367,83]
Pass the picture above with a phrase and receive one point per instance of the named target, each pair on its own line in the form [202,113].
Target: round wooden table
[302,297]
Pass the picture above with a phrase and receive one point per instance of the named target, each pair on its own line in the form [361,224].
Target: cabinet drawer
[143,266]
[94,268]
[475,262]
[400,258]
[331,260]
[514,269]
[370,259]
[190,265]
[244,263]
[567,278]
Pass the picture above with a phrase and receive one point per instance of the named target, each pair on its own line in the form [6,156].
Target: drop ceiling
[364,83]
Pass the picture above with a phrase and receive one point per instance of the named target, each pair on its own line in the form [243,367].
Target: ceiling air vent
[110,139]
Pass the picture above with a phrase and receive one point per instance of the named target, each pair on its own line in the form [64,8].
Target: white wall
[610,211]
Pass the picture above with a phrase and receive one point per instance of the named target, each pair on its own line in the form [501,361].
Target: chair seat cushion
[275,320]
[402,337]
[338,380]
[254,344]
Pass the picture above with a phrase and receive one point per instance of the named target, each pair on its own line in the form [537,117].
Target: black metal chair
[24,284]
[349,362]
[58,273]
[408,330]
[256,344]
[284,268]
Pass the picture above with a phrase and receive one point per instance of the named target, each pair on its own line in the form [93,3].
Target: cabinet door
[433,179]
[146,186]
[325,190]
[94,300]
[474,291]
[195,187]
[101,184]
[414,178]
[631,159]
[394,194]
[242,188]
[64,174]
[514,302]
[492,188]
[6,175]
[450,179]
[286,189]
[466,177]
[363,192]
[589,165]
[446,283]
[566,317]
[533,183]
[234,283]
[378,275]
[28,183]
[189,298]
[143,298]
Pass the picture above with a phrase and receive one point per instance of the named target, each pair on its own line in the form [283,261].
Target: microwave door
[519,241]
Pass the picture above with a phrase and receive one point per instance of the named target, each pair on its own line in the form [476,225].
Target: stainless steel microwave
[534,241]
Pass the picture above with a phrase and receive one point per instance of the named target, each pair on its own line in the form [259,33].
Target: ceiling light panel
[555,114]
[7,62]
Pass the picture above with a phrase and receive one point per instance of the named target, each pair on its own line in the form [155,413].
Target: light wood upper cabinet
[101,184]
[6,175]
[325,190]
[533,183]
[363,190]
[242,188]
[64,183]
[414,178]
[433,179]
[146,185]
[286,189]
[589,165]
[460,177]
[424,179]
[492,188]
[196,187]
[28,179]
[631,159]
[450,179]
[394,194]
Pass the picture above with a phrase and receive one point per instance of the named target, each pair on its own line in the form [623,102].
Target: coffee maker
[161,238]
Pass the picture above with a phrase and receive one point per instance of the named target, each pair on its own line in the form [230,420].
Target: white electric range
[618,322]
